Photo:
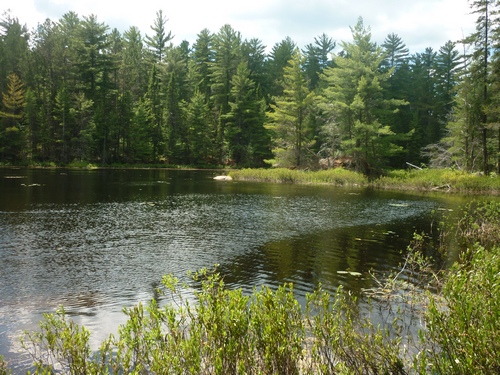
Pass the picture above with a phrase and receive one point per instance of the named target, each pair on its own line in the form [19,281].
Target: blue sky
[420,23]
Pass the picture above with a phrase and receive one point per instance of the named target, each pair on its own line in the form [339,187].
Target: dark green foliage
[279,57]
[288,119]
[317,58]
[12,132]
[157,43]
[353,102]
[78,75]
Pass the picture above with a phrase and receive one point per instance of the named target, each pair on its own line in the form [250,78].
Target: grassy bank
[339,176]
[224,331]
[422,180]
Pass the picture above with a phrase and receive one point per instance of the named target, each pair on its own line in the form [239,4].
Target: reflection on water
[95,241]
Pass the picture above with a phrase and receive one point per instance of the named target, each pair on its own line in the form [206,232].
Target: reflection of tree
[310,259]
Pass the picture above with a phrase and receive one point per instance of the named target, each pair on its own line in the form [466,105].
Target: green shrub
[463,329]
[4,370]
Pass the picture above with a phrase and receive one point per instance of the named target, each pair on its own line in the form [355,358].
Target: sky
[419,23]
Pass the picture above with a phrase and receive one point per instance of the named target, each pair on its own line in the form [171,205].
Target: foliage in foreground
[226,332]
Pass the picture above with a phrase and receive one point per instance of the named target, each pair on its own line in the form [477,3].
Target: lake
[97,240]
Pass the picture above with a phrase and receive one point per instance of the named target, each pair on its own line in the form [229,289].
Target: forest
[74,91]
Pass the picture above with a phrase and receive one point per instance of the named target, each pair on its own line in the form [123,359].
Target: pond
[98,240]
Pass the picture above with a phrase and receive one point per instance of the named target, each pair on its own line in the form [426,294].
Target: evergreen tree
[141,148]
[202,58]
[227,56]
[245,121]
[279,57]
[400,86]
[480,64]
[449,64]
[396,52]
[12,132]
[133,70]
[14,39]
[158,41]
[96,67]
[288,116]
[83,142]
[44,81]
[254,52]
[93,59]
[201,148]
[493,107]
[175,131]
[199,137]
[354,99]
[423,97]
[154,98]
[317,58]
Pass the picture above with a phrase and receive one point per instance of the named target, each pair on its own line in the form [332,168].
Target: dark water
[96,241]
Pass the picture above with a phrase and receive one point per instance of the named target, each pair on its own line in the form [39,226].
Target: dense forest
[75,91]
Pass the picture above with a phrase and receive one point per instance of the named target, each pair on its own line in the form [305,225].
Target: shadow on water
[324,257]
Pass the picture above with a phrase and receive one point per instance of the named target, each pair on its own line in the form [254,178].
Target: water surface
[95,241]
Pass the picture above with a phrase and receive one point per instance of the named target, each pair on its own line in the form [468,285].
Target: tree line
[74,90]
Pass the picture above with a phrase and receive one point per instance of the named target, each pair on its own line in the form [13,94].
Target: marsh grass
[420,180]
[338,176]
[440,179]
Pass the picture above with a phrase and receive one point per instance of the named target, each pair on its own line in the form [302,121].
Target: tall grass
[424,180]
[338,176]
[440,179]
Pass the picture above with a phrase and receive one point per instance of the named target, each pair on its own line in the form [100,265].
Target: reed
[338,176]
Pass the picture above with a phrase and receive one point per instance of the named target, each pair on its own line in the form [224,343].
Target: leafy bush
[462,332]
[4,370]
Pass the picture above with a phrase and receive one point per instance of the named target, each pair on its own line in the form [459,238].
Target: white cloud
[420,23]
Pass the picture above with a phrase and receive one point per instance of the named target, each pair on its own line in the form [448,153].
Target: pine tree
[493,108]
[279,57]
[227,56]
[254,52]
[480,64]
[155,100]
[245,120]
[354,100]
[14,39]
[317,58]
[396,52]
[201,60]
[133,70]
[140,148]
[288,116]
[12,135]
[199,137]
[158,41]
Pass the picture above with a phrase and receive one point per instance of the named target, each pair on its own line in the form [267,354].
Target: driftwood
[413,165]
[445,186]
